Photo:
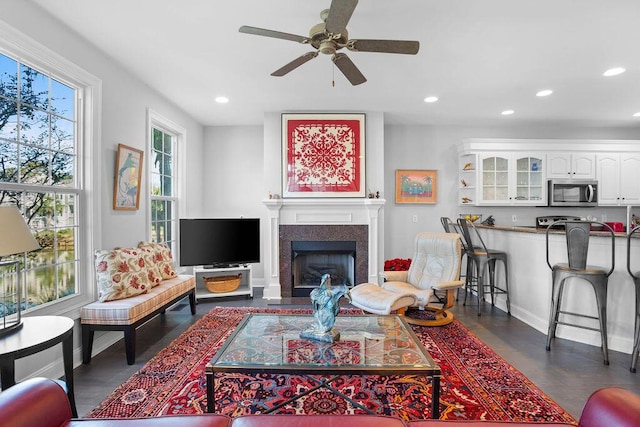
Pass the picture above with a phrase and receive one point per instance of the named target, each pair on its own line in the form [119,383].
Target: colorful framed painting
[416,186]
[323,155]
[126,191]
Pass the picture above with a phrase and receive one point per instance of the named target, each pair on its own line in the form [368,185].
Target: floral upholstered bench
[134,285]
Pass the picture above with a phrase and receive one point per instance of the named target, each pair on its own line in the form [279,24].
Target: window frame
[17,45]
[158,121]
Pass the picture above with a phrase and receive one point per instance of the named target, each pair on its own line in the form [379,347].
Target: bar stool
[447,224]
[577,238]
[452,227]
[483,258]
[636,281]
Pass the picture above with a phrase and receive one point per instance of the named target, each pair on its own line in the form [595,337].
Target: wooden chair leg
[192,302]
[87,343]
[130,344]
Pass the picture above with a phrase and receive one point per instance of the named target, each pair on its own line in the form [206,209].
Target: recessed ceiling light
[544,92]
[637,114]
[430,99]
[507,112]
[613,71]
[222,99]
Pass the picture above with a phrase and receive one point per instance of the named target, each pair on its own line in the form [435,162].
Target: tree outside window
[38,163]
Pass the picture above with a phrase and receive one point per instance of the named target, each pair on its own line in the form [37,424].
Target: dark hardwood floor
[569,373]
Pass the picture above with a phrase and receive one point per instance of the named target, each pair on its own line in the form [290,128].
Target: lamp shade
[15,235]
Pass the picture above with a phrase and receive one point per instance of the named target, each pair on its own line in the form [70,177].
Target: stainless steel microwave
[573,193]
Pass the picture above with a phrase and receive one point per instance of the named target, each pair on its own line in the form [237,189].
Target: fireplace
[311,260]
[344,246]
[321,220]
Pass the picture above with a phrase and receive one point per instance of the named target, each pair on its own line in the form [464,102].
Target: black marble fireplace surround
[322,233]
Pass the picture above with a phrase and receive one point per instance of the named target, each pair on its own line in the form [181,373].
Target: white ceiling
[479,57]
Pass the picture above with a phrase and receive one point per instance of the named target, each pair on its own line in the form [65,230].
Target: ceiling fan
[330,36]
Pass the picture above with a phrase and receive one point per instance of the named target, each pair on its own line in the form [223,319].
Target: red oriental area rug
[476,383]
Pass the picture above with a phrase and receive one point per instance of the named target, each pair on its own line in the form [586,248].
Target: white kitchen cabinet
[507,178]
[571,165]
[513,172]
[618,176]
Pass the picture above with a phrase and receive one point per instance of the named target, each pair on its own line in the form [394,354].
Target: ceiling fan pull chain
[333,74]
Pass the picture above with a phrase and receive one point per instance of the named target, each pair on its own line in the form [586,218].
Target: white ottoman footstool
[372,298]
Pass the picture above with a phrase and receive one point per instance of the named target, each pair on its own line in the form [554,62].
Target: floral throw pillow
[161,256]
[120,273]
[154,276]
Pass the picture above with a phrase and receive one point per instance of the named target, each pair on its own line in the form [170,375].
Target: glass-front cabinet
[494,177]
[511,178]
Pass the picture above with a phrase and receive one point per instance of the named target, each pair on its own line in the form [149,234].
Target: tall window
[39,166]
[163,187]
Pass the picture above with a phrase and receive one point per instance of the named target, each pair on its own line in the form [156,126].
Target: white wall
[233,175]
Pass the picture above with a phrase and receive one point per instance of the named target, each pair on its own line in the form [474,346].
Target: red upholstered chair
[611,407]
[41,402]
[34,402]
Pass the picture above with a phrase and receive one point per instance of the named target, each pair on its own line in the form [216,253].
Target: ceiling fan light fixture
[328,47]
[614,71]
[544,92]
[430,99]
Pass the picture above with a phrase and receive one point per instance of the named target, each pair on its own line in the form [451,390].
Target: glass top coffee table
[368,345]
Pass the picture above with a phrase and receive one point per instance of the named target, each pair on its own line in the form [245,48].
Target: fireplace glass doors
[310,260]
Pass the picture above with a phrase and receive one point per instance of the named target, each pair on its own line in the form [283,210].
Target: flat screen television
[219,242]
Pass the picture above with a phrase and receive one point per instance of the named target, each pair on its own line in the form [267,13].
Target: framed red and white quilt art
[323,155]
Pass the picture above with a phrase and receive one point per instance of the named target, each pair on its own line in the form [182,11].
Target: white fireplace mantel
[316,211]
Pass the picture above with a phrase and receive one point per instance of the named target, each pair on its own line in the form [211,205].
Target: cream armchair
[429,285]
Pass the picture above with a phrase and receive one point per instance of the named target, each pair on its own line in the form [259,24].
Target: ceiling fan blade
[339,15]
[295,64]
[275,34]
[385,46]
[349,69]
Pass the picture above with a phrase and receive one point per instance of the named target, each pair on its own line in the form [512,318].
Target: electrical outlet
[514,218]
[414,218]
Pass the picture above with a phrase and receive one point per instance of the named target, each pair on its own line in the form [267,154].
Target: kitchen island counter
[537,230]
[530,282]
